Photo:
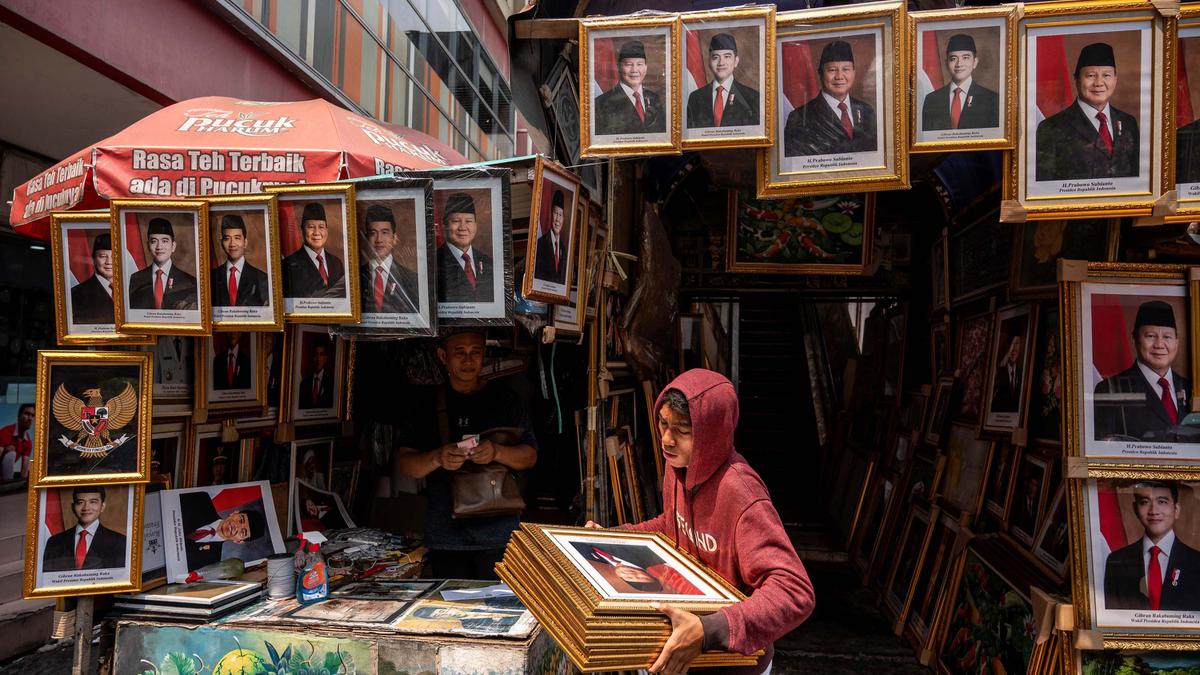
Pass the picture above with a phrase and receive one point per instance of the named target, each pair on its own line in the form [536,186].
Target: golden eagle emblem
[94,419]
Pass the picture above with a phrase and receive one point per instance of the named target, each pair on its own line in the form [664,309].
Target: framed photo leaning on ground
[554,230]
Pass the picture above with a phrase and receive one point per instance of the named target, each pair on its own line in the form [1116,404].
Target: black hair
[1173,487]
[85,489]
[23,406]
[256,522]
[233,221]
[677,402]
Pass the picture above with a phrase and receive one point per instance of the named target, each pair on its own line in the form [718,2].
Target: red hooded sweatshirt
[719,510]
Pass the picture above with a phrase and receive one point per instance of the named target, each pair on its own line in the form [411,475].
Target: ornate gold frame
[274,275]
[541,165]
[1050,290]
[345,192]
[867,245]
[1007,15]
[1189,17]
[1162,129]
[918,515]
[38,477]
[33,522]
[200,209]
[582,278]
[1026,368]
[179,430]
[588,26]
[765,14]
[59,221]
[204,363]
[891,18]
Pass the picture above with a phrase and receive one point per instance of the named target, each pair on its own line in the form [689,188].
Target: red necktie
[1154,578]
[469,269]
[556,256]
[1168,399]
[846,123]
[158,290]
[637,105]
[1105,134]
[201,533]
[229,370]
[316,392]
[321,269]
[719,106]
[956,108]
[232,285]
[379,289]
[81,549]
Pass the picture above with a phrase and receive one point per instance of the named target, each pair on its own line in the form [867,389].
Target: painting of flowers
[991,627]
[827,234]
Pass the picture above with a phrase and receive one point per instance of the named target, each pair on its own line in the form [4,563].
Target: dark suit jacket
[1187,153]
[1125,570]
[324,397]
[301,279]
[107,551]
[197,511]
[252,287]
[452,280]
[400,289]
[544,264]
[741,107]
[241,370]
[980,109]
[1006,393]
[1068,146]
[180,292]
[90,303]
[614,113]
[1143,416]
[814,129]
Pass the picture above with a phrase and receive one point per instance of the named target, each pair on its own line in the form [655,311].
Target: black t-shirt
[466,414]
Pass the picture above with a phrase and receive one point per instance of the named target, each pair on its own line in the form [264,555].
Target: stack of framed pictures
[593,590]
[200,601]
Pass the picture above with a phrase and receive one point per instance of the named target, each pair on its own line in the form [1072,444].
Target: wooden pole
[83,637]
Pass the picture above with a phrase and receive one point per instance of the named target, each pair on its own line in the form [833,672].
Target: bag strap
[443,416]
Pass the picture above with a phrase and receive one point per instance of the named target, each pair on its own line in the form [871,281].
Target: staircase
[24,624]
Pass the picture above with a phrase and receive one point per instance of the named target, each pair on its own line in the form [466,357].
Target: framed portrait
[1093,112]
[319,252]
[106,520]
[830,234]
[967,460]
[914,542]
[343,479]
[997,495]
[311,462]
[985,602]
[939,411]
[316,376]
[965,74]
[1045,400]
[82,251]
[168,455]
[727,78]
[1052,545]
[231,372]
[154,561]
[1187,114]
[396,244]
[272,347]
[474,253]
[1030,490]
[939,271]
[931,578]
[1009,378]
[941,347]
[214,460]
[1038,246]
[880,496]
[629,85]
[1126,334]
[244,282]
[974,335]
[317,510]
[922,483]
[842,102]
[554,229]
[977,259]
[160,266]
[174,371]
[205,525]
[92,418]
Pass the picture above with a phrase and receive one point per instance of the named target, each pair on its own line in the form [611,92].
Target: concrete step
[12,547]
[12,513]
[12,574]
[24,625]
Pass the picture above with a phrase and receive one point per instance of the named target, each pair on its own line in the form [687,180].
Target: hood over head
[713,405]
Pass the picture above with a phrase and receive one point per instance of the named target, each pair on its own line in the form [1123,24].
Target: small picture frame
[1007,388]
[316,375]
[311,462]
[231,372]
[554,233]
[830,234]
[273,348]
[938,420]
[168,455]
[246,288]
[1030,488]
[174,369]
[974,335]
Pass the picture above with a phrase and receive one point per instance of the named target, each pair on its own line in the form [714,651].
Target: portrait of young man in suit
[386,286]
[1158,571]
[237,283]
[630,108]
[89,545]
[91,299]
[1089,138]
[1006,387]
[205,531]
[553,248]
[464,272]
[833,122]
[316,389]
[962,103]
[1146,399]
[311,271]
[161,284]
[724,101]
[231,367]
[1187,153]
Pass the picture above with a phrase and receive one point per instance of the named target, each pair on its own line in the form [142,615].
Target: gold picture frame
[890,170]
[82,413]
[295,406]
[131,319]
[1003,18]
[571,317]
[532,286]
[914,540]
[792,216]
[67,330]
[1006,421]
[218,400]
[667,27]
[217,206]
[1188,201]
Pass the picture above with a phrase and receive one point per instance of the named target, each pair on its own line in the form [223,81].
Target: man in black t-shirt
[465,548]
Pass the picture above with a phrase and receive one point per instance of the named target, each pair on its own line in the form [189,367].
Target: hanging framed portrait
[842,102]
[727,78]
[168,455]
[1187,114]
[629,85]
[1007,387]
[1093,112]
[273,348]
[213,459]
[174,378]
[965,65]
[231,372]
[1030,489]
[830,234]
[244,279]
[315,376]
[160,266]
[320,252]
[554,229]
[82,251]
[474,254]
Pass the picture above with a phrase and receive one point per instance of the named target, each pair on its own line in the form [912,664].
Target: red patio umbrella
[217,145]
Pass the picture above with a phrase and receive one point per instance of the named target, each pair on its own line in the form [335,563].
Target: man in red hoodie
[716,508]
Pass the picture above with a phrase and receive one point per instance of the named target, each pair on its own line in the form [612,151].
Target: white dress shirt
[458,255]
[724,85]
[212,537]
[106,283]
[166,270]
[629,95]
[312,255]
[1152,379]
[1090,113]
[965,86]
[91,530]
[834,103]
